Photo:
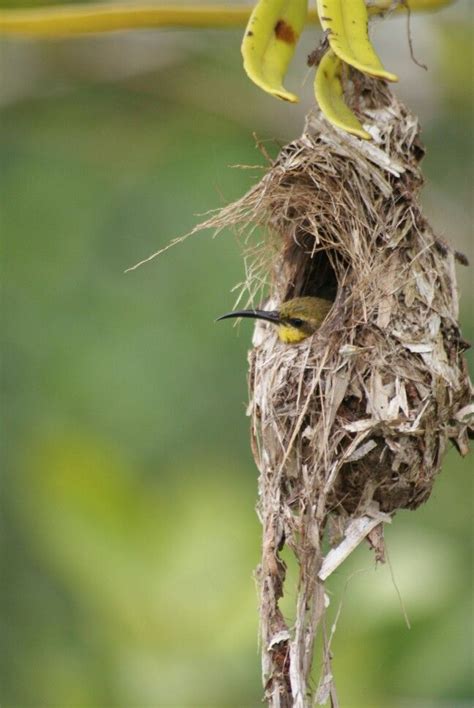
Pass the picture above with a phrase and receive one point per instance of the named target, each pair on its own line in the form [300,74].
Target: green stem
[64,21]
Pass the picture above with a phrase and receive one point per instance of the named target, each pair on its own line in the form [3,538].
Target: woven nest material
[352,423]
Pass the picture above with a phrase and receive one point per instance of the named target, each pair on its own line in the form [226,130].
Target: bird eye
[296,322]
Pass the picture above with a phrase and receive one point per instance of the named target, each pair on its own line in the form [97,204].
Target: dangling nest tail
[352,424]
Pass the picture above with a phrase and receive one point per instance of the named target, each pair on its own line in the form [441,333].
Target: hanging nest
[350,425]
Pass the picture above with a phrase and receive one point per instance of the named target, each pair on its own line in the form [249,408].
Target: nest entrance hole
[311,270]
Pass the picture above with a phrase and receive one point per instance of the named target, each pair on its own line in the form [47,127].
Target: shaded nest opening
[313,272]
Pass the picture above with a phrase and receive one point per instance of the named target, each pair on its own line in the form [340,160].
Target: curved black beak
[268,315]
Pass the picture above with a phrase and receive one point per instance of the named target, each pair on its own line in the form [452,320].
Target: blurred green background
[128,535]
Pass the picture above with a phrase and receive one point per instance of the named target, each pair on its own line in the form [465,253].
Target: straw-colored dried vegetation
[354,421]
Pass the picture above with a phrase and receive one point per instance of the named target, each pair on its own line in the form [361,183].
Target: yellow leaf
[345,22]
[330,97]
[269,43]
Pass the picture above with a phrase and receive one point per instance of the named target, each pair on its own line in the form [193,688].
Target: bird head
[295,320]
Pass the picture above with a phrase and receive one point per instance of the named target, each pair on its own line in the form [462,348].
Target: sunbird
[295,320]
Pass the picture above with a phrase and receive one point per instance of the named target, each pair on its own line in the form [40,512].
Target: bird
[295,320]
